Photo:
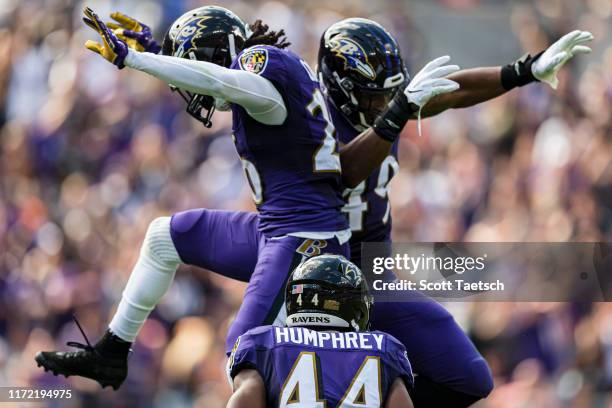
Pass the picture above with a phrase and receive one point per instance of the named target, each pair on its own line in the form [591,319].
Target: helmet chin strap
[363,121]
[351,108]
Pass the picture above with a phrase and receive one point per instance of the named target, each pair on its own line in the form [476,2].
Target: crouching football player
[325,356]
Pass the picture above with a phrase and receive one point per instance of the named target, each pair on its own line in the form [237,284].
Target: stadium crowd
[89,155]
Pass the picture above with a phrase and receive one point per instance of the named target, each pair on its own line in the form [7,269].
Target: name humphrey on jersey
[328,339]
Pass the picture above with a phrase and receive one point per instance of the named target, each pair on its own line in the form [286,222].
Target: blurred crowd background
[89,155]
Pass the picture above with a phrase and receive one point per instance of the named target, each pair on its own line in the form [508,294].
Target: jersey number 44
[302,386]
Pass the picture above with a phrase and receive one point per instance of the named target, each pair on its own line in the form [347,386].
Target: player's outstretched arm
[255,94]
[368,150]
[476,85]
[482,84]
[398,395]
[249,391]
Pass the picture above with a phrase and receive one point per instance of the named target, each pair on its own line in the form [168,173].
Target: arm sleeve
[256,94]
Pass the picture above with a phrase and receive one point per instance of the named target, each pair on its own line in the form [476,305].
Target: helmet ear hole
[347,84]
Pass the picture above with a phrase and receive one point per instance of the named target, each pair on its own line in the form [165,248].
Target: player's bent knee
[183,222]
[158,246]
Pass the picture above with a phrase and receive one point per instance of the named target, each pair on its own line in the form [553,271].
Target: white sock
[150,279]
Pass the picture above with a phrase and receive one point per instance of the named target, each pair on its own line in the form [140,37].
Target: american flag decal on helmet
[297,289]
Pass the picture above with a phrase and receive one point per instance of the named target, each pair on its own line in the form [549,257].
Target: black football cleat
[90,362]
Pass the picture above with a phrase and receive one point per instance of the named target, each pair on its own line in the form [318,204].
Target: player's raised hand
[136,34]
[430,81]
[545,67]
[427,83]
[112,48]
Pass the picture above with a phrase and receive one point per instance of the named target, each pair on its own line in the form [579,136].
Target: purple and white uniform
[294,172]
[437,347]
[293,168]
[367,205]
[322,368]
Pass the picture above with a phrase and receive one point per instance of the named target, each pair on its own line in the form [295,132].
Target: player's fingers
[558,59]
[431,85]
[95,20]
[448,88]
[114,26]
[104,32]
[118,31]
[119,34]
[569,37]
[99,27]
[444,85]
[89,13]
[125,20]
[430,66]
[433,64]
[94,46]
[415,78]
[90,23]
[581,49]
[444,71]
[130,34]
[584,37]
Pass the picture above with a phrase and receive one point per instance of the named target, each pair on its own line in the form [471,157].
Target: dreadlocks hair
[261,36]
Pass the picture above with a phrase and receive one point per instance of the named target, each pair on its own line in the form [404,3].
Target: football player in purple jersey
[360,70]
[285,138]
[326,356]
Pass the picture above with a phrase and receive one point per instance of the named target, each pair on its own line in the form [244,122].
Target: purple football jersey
[293,168]
[312,367]
[367,205]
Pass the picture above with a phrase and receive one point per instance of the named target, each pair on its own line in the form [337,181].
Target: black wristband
[519,72]
[389,124]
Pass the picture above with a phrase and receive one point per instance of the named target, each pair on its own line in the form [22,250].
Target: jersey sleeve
[397,359]
[276,65]
[243,355]
[263,60]
[250,352]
